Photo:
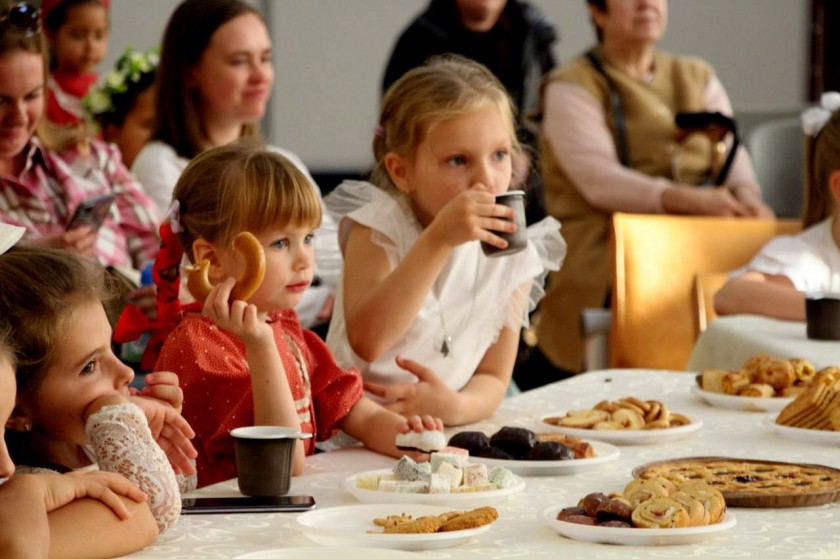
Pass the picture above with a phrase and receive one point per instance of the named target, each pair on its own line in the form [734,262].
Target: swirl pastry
[640,490]
[660,512]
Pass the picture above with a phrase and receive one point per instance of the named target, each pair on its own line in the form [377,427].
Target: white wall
[330,55]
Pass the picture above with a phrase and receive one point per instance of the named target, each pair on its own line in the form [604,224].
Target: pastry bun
[246,244]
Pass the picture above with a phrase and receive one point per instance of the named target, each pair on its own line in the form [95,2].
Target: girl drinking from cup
[430,320]
[243,212]
[74,409]
[775,282]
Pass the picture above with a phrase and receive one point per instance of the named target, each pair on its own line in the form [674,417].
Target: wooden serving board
[766,484]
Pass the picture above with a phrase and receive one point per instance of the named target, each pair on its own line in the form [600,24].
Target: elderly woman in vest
[610,144]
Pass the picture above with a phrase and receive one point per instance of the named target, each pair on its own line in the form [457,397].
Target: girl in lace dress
[34,509]
[775,282]
[74,409]
[429,319]
[251,363]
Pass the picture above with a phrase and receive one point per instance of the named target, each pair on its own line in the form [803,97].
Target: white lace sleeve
[122,442]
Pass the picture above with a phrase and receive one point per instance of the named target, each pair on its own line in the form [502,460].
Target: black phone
[91,212]
[228,505]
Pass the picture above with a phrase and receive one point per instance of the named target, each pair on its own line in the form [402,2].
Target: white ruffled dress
[473,298]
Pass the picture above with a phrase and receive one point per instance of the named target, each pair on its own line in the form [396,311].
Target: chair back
[778,151]
[655,260]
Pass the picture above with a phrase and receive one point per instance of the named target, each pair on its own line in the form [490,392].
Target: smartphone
[228,505]
[91,212]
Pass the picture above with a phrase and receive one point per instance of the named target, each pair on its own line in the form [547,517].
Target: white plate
[813,436]
[741,403]
[652,436]
[458,500]
[634,536]
[604,452]
[352,525]
[327,553]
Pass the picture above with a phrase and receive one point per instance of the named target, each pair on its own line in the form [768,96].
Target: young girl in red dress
[77,32]
[250,362]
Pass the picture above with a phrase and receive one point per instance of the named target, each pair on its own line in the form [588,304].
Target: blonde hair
[242,187]
[444,88]
[822,157]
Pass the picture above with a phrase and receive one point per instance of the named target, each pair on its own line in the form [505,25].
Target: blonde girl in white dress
[430,320]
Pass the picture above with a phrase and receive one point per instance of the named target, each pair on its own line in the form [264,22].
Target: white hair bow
[175,216]
[815,118]
[9,236]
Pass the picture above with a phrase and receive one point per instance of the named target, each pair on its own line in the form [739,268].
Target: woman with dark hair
[610,143]
[214,80]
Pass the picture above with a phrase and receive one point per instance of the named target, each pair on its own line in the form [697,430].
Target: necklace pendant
[445,346]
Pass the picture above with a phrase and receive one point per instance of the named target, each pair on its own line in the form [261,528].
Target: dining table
[728,341]
[766,533]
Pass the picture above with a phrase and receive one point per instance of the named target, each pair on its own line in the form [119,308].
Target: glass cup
[264,456]
[517,240]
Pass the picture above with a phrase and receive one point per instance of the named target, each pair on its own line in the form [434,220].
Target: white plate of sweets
[741,403]
[604,452]
[327,553]
[354,526]
[802,434]
[626,436]
[363,486]
[633,536]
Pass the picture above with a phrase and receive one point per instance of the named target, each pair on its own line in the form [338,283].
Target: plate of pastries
[762,383]
[752,483]
[528,453]
[647,512]
[628,420]
[395,526]
[813,416]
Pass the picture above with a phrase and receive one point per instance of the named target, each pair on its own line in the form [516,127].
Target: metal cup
[517,240]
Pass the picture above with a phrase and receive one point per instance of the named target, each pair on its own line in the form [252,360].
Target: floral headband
[815,118]
[130,68]
[9,236]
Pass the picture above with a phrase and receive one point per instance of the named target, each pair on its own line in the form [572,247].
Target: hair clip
[379,131]
[175,217]
[22,17]
[815,118]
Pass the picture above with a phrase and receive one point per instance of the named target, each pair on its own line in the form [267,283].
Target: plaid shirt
[45,195]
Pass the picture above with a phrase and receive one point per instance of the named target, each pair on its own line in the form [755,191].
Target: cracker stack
[817,408]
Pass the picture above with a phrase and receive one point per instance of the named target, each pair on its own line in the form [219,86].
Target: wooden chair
[655,260]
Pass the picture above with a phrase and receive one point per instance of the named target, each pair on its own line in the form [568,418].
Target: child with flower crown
[77,33]
[776,281]
[249,362]
[123,103]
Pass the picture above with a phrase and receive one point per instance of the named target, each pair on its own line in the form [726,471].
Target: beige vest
[679,85]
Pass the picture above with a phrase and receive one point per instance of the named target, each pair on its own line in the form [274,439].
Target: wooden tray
[761,499]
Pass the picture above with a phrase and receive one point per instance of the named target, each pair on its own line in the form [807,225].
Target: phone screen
[227,505]
[91,212]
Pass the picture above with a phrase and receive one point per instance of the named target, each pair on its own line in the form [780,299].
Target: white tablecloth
[765,533]
[730,340]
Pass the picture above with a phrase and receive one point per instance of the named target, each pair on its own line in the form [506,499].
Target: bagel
[246,244]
